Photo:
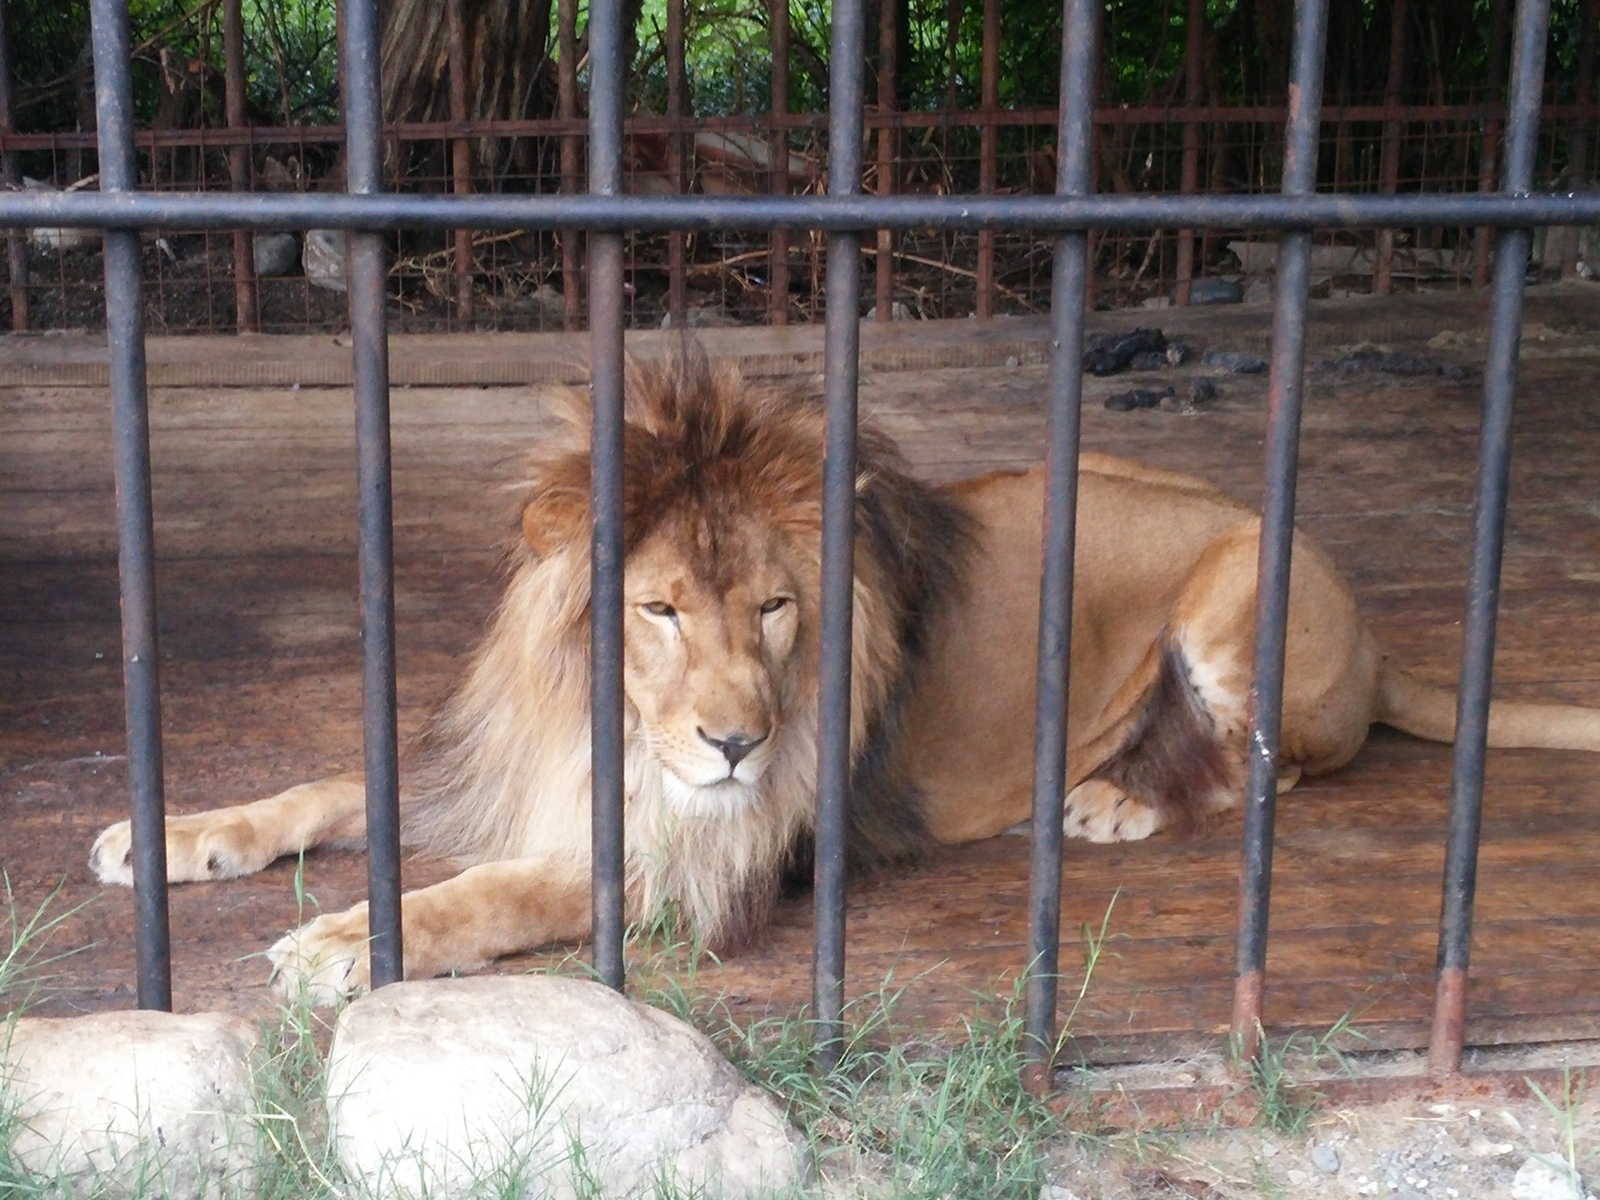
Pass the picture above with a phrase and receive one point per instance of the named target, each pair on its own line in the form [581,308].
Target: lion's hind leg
[229,842]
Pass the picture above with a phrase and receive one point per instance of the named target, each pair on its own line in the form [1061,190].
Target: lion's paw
[1100,811]
[324,961]
[203,846]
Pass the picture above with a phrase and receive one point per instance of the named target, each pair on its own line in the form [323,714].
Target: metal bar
[841,374]
[605,580]
[988,151]
[11,177]
[370,360]
[567,106]
[1578,141]
[1193,82]
[136,553]
[1389,152]
[460,150]
[1488,540]
[247,319]
[1080,24]
[1489,151]
[657,214]
[1284,391]
[888,35]
[677,85]
[778,268]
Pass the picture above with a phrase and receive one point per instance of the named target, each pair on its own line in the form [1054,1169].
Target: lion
[722,525]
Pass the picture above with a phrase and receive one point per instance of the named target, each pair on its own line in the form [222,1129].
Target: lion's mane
[504,765]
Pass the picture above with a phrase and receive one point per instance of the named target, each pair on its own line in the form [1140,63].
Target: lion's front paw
[1100,811]
[213,845]
[111,860]
[324,961]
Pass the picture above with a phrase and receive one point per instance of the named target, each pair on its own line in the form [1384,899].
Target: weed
[1281,1103]
[1566,1112]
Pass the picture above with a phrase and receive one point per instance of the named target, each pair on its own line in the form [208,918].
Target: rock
[1148,360]
[1325,1158]
[1259,292]
[1178,352]
[1541,1178]
[323,259]
[1137,398]
[1215,291]
[145,1102]
[1109,353]
[1011,362]
[1230,360]
[1199,392]
[434,1084]
[1393,362]
[1057,1191]
[706,317]
[275,254]
[897,312]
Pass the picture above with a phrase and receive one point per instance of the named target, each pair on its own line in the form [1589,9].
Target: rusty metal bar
[11,177]
[988,151]
[1080,37]
[1193,84]
[778,267]
[460,151]
[888,36]
[567,106]
[247,318]
[1489,150]
[1389,152]
[136,552]
[1488,540]
[841,374]
[1284,393]
[677,85]
[606,37]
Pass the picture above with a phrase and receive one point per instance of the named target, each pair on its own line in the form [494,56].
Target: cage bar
[11,178]
[247,318]
[1488,541]
[677,152]
[1284,394]
[778,185]
[887,103]
[1193,83]
[1489,147]
[988,150]
[567,106]
[1389,152]
[460,151]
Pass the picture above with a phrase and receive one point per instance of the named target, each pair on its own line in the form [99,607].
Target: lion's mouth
[721,797]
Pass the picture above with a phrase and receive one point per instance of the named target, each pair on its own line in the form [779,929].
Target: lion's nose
[735,747]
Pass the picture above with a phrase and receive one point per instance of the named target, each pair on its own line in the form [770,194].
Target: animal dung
[1109,353]
[1393,362]
[1138,398]
[1232,360]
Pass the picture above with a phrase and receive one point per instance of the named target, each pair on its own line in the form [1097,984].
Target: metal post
[1193,82]
[1488,539]
[1277,525]
[460,151]
[363,116]
[1080,37]
[1389,155]
[247,318]
[841,374]
[567,106]
[778,266]
[677,85]
[888,35]
[605,580]
[1489,151]
[141,671]
[988,151]
[1578,145]
[11,177]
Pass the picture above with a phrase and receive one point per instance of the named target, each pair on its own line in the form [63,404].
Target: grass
[1282,1104]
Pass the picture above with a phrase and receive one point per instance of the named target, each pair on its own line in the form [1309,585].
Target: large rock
[275,254]
[147,1103]
[543,1085]
[322,259]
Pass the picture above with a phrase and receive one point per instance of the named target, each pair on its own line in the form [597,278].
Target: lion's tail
[1425,711]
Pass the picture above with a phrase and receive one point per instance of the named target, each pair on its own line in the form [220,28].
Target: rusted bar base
[1449,1023]
[1245,1042]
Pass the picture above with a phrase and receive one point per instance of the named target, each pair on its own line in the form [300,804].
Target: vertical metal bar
[1193,82]
[1080,36]
[605,581]
[1578,143]
[363,116]
[888,36]
[460,151]
[1488,539]
[778,267]
[11,177]
[677,85]
[1277,524]
[988,151]
[1389,154]
[567,106]
[141,668]
[246,317]
[841,374]
[1489,151]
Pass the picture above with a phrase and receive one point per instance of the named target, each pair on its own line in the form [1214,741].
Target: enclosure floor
[255,508]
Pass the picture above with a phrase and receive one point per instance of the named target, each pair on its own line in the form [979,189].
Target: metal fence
[1069,217]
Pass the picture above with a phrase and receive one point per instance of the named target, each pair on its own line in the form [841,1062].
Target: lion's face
[711,633]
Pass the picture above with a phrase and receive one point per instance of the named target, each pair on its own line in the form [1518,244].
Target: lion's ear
[554,519]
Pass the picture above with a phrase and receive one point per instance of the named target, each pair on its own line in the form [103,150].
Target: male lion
[723,526]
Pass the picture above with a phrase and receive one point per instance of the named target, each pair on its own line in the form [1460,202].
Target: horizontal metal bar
[655,214]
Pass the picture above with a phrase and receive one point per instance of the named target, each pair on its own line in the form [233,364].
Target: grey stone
[1259,292]
[1215,291]
[704,317]
[1231,360]
[1544,1178]
[544,1085]
[141,1101]
[1325,1158]
[275,254]
[322,256]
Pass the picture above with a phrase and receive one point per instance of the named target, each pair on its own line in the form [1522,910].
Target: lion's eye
[773,605]
[658,609]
